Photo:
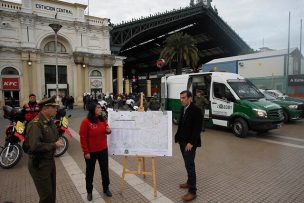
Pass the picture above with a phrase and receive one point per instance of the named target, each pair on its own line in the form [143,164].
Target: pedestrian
[43,141]
[154,104]
[201,102]
[84,101]
[72,101]
[93,138]
[188,137]
[31,109]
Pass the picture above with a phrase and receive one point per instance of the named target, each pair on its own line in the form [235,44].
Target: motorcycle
[62,123]
[12,152]
[105,108]
[131,104]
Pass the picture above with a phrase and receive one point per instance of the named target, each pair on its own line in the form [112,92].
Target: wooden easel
[141,164]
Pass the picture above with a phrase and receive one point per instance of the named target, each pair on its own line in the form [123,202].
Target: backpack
[26,143]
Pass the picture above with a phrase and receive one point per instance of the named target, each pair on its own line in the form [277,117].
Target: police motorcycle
[105,108]
[62,123]
[131,105]
[12,152]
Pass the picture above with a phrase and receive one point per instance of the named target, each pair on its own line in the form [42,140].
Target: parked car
[293,109]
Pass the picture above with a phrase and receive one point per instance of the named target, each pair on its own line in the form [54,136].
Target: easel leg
[122,180]
[154,177]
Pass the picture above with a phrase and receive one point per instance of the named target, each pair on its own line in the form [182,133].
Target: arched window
[9,71]
[50,47]
[96,73]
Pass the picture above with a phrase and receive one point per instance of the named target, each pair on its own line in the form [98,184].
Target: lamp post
[56,27]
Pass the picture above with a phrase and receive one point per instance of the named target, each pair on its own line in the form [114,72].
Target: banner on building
[10,83]
[296,80]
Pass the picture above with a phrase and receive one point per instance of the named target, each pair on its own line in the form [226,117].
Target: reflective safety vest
[31,111]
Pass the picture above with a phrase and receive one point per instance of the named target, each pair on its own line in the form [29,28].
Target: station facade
[28,55]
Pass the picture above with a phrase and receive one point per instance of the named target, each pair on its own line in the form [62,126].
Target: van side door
[221,104]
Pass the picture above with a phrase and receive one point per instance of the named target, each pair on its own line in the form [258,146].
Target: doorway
[11,98]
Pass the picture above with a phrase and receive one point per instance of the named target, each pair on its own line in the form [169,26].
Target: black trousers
[103,161]
[189,157]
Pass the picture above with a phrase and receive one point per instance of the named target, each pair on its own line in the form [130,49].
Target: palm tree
[181,48]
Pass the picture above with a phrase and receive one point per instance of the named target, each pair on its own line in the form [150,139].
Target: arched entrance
[11,86]
[48,66]
[96,84]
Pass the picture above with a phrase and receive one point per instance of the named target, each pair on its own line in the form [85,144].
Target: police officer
[31,109]
[201,102]
[154,104]
[43,141]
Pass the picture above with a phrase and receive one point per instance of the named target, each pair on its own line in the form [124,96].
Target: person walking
[188,137]
[43,141]
[93,138]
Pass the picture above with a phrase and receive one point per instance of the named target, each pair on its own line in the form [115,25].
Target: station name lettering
[50,8]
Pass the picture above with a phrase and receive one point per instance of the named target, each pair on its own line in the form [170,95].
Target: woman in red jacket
[93,138]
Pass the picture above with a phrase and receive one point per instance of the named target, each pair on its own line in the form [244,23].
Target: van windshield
[245,89]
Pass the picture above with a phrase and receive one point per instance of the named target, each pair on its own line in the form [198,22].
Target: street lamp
[56,27]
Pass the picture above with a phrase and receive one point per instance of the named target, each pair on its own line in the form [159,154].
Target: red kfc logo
[10,83]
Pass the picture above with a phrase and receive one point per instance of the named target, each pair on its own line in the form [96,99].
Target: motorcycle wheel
[62,150]
[14,154]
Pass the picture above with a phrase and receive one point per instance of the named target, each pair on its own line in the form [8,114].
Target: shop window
[9,71]
[50,74]
[50,47]
[96,73]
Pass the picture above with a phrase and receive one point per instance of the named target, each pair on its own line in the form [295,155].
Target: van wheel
[286,117]
[240,127]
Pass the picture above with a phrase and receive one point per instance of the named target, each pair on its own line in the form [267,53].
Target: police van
[234,102]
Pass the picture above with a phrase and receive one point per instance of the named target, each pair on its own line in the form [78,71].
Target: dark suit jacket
[190,126]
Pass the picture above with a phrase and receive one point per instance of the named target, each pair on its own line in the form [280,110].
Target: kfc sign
[10,83]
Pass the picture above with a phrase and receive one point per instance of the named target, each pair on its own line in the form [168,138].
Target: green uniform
[201,102]
[154,104]
[42,135]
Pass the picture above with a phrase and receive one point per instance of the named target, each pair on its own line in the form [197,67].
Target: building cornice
[45,20]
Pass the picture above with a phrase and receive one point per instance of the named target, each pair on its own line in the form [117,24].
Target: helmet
[103,103]
[130,102]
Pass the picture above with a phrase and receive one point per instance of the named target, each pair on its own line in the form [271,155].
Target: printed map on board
[140,133]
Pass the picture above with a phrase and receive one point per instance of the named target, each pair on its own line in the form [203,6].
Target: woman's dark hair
[91,115]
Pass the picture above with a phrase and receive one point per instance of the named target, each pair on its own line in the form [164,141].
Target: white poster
[140,133]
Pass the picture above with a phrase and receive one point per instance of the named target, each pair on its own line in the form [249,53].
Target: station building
[28,56]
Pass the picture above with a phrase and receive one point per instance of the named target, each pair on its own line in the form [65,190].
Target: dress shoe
[89,196]
[184,186]
[108,193]
[189,197]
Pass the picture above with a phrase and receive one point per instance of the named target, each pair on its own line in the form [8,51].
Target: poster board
[140,133]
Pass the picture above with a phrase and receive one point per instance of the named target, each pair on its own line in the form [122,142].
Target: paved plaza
[259,168]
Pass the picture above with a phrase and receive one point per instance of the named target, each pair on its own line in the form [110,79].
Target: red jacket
[93,136]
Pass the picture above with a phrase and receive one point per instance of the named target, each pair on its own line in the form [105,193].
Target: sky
[260,23]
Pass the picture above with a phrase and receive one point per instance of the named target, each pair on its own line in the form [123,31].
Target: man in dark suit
[188,137]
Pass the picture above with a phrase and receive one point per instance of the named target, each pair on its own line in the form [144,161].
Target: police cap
[48,102]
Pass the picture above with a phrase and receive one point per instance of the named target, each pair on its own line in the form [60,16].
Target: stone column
[119,79]
[34,78]
[86,81]
[108,80]
[26,85]
[148,88]
[127,87]
[80,84]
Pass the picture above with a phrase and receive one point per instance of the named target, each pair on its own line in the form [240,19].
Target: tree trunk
[179,68]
